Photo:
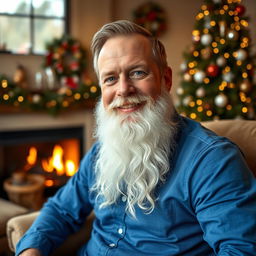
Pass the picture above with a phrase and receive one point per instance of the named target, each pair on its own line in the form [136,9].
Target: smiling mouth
[130,107]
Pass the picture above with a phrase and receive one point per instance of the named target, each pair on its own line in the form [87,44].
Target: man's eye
[138,74]
[109,80]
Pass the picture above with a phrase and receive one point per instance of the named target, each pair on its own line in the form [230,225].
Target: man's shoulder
[194,132]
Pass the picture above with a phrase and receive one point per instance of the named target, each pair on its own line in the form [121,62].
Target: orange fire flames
[54,163]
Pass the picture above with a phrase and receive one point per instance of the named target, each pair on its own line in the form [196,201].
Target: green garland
[52,102]
[67,60]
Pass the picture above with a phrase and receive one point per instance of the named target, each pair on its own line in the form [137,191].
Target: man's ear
[168,78]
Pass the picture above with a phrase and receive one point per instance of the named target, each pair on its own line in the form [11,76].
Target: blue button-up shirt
[207,206]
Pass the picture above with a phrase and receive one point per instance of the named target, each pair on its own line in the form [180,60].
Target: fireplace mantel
[30,121]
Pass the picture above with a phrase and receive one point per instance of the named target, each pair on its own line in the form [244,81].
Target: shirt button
[120,231]
[124,198]
[111,245]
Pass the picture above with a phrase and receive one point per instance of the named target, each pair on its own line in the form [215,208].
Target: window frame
[32,16]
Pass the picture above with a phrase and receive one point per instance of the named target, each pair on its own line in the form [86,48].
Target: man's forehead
[125,44]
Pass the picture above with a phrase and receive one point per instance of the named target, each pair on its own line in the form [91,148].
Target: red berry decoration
[240,9]
[212,70]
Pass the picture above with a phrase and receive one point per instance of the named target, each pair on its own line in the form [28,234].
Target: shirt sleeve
[224,199]
[62,214]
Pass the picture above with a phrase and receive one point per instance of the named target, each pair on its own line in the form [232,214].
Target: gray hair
[125,27]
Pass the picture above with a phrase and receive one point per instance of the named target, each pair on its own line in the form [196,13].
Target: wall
[87,16]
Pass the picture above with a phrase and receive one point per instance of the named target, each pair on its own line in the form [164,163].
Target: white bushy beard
[134,151]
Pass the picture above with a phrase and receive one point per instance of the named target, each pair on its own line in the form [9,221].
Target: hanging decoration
[67,58]
[152,17]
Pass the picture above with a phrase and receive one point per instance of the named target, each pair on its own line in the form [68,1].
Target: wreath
[67,59]
[152,17]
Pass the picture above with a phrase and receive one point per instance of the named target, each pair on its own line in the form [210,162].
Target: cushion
[7,211]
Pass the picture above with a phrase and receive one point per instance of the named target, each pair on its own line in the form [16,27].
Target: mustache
[135,99]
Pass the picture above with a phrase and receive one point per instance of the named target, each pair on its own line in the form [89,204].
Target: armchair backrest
[241,132]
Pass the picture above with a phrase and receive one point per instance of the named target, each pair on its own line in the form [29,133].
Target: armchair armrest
[17,226]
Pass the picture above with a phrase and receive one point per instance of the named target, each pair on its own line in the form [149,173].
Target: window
[27,25]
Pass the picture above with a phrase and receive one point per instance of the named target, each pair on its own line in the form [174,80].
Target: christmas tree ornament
[186,101]
[241,54]
[240,9]
[232,35]
[228,77]
[222,27]
[217,1]
[221,100]
[20,77]
[206,53]
[180,91]
[183,66]
[36,98]
[221,61]
[245,86]
[199,76]
[187,77]
[212,70]
[206,39]
[200,92]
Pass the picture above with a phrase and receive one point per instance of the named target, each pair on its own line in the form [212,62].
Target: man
[159,184]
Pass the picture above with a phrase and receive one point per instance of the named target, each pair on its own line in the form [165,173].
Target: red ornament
[49,56]
[240,9]
[212,70]
[74,66]
[151,16]
[71,83]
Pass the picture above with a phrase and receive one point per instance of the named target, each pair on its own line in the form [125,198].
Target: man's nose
[125,87]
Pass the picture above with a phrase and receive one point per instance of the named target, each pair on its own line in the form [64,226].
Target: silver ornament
[36,98]
[217,1]
[180,91]
[221,61]
[241,54]
[228,77]
[187,100]
[183,66]
[221,100]
[199,76]
[206,39]
[200,92]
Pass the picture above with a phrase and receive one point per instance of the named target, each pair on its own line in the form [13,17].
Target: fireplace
[53,153]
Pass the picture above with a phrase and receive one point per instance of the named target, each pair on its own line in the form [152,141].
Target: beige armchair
[242,132]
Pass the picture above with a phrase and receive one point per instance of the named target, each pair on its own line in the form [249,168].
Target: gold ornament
[223,28]
[206,53]
[187,77]
[245,86]
[20,77]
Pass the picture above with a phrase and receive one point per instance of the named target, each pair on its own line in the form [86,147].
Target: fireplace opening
[54,154]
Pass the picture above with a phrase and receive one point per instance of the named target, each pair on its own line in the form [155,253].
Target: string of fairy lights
[218,79]
[59,86]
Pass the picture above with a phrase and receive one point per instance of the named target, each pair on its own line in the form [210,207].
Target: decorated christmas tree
[218,72]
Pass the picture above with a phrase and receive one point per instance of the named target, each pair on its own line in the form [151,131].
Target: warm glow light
[57,159]
[32,156]
[49,183]
[70,168]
